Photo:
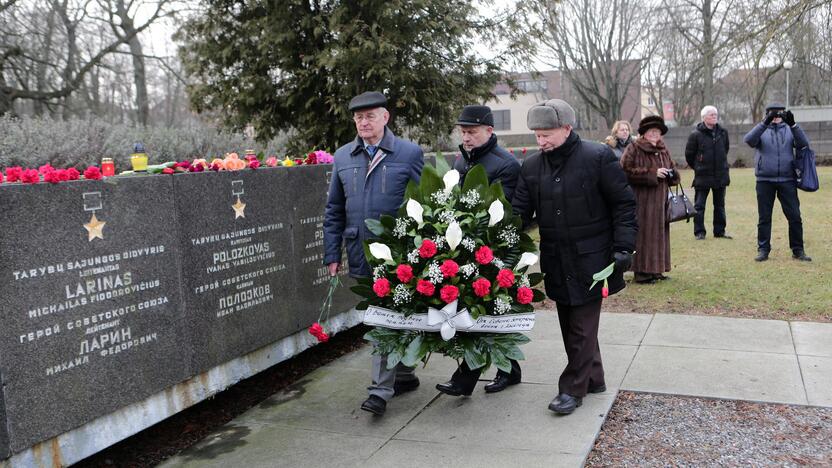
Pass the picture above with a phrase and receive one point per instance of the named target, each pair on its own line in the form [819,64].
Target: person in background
[651,171]
[369,178]
[479,146]
[620,137]
[774,141]
[579,196]
[707,153]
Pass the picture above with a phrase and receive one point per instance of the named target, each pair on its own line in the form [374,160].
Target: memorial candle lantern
[139,158]
[108,167]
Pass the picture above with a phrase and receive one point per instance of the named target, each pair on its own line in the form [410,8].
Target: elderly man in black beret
[369,178]
[580,198]
[479,146]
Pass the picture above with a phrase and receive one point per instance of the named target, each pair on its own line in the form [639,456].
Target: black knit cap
[368,100]
[651,121]
[476,115]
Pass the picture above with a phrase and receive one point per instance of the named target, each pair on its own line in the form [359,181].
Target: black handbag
[679,206]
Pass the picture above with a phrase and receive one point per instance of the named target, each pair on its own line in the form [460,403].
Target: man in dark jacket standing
[775,140]
[707,153]
[369,178]
[586,212]
[479,146]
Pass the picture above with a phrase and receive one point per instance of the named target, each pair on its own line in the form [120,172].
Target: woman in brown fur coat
[650,171]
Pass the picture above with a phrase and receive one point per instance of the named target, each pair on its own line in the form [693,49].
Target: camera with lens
[671,173]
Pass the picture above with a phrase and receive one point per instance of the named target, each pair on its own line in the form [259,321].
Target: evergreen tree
[294,64]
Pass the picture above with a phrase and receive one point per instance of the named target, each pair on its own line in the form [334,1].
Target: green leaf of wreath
[474,179]
[412,355]
[375,226]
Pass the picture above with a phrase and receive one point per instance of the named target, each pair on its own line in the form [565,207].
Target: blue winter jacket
[774,145]
[354,196]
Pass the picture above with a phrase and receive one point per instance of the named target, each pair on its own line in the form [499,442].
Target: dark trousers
[699,203]
[468,377]
[579,327]
[786,192]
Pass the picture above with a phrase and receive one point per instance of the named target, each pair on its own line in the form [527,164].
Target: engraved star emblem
[239,209]
[95,228]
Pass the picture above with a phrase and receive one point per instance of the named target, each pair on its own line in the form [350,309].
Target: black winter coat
[498,163]
[586,211]
[707,153]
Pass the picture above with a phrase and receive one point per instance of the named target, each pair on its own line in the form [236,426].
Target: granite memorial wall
[114,290]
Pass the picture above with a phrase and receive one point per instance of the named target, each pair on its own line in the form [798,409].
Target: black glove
[623,261]
[769,117]
[788,117]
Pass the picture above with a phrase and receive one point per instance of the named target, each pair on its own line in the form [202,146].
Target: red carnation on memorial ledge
[481,287]
[318,332]
[449,294]
[425,288]
[428,249]
[253,163]
[404,273]
[73,173]
[51,177]
[93,173]
[13,174]
[46,168]
[63,175]
[505,278]
[449,268]
[524,295]
[30,176]
[1,177]
[167,170]
[381,287]
[484,255]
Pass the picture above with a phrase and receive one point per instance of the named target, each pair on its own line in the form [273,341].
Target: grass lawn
[720,276]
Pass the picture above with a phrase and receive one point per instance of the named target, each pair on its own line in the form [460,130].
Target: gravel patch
[645,429]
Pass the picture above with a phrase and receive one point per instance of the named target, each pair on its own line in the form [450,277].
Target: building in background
[510,112]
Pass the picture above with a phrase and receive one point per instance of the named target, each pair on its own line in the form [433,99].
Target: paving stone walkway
[317,422]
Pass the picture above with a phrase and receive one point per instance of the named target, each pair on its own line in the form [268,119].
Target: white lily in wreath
[496,212]
[415,211]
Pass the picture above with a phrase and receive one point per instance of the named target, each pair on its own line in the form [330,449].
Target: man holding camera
[775,140]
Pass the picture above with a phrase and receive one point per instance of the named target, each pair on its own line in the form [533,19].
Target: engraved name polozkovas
[237,271]
[90,301]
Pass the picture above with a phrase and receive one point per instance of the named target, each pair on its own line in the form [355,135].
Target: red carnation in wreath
[449,293]
[505,278]
[484,255]
[425,288]
[381,287]
[449,268]
[524,295]
[404,273]
[481,287]
[428,249]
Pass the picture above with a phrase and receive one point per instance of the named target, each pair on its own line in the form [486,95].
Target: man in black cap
[369,178]
[774,141]
[586,210]
[479,146]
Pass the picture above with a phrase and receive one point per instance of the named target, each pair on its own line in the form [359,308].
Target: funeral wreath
[450,274]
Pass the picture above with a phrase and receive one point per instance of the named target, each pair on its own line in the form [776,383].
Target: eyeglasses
[371,117]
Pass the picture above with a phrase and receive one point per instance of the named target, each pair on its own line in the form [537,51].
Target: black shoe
[646,281]
[801,255]
[405,386]
[700,236]
[374,404]
[565,404]
[501,382]
[762,256]
[454,389]
[599,389]
[661,277]
[723,236]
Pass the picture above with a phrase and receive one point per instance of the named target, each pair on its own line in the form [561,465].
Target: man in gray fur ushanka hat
[586,210]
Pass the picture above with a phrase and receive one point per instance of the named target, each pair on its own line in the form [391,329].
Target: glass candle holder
[108,167]
[139,162]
